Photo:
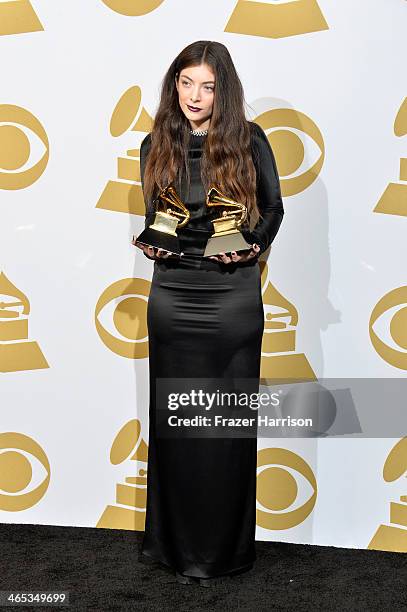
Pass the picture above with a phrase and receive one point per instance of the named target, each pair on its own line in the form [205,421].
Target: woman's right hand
[154,252]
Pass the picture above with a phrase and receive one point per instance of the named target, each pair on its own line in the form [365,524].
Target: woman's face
[196,86]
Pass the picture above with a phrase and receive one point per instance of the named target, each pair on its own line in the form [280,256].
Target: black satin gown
[206,319]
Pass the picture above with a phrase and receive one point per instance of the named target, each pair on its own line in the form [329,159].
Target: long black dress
[206,319]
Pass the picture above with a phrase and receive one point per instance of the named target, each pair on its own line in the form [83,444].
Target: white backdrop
[80,83]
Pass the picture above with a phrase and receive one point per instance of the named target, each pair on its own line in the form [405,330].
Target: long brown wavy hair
[226,156]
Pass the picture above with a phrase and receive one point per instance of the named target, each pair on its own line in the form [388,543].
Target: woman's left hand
[247,255]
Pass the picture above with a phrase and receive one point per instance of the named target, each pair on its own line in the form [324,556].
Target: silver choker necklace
[199,132]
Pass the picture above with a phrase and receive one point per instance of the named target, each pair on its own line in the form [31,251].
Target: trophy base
[160,240]
[232,241]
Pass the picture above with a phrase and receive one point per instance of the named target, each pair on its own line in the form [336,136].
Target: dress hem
[199,573]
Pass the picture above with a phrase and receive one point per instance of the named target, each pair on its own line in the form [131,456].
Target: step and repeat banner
[79,89]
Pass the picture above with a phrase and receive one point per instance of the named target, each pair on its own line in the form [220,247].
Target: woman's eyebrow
[203,82]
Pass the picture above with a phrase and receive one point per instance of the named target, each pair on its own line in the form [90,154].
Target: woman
[205,314]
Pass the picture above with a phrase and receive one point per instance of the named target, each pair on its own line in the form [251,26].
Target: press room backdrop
[79,86]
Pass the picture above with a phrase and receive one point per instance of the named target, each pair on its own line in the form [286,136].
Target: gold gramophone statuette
[162,232]
[227,236]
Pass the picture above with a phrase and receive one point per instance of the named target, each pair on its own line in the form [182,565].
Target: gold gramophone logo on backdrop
[16,147]
[18,17]
[392,307]
[126,304]
[132,495]
[393,537]
[282,127]
[20,456]
[394,198]
[277,489]
[276,18]
[17,352]
[133,8]
[279,359]
[125,194]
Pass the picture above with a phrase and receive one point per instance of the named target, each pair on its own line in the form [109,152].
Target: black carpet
[101,570]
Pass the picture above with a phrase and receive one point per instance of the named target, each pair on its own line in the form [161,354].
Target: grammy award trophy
[227,237]
[162,232]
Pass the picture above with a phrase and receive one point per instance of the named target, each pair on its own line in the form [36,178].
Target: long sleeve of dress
[268,191]
[144,149]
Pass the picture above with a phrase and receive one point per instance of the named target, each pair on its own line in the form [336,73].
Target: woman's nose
[195,96]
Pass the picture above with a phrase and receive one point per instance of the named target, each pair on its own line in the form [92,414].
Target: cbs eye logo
[21,461]
[277,489]
[392,309]
[133,9]
[125,303]
[285,128]
[21,138]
